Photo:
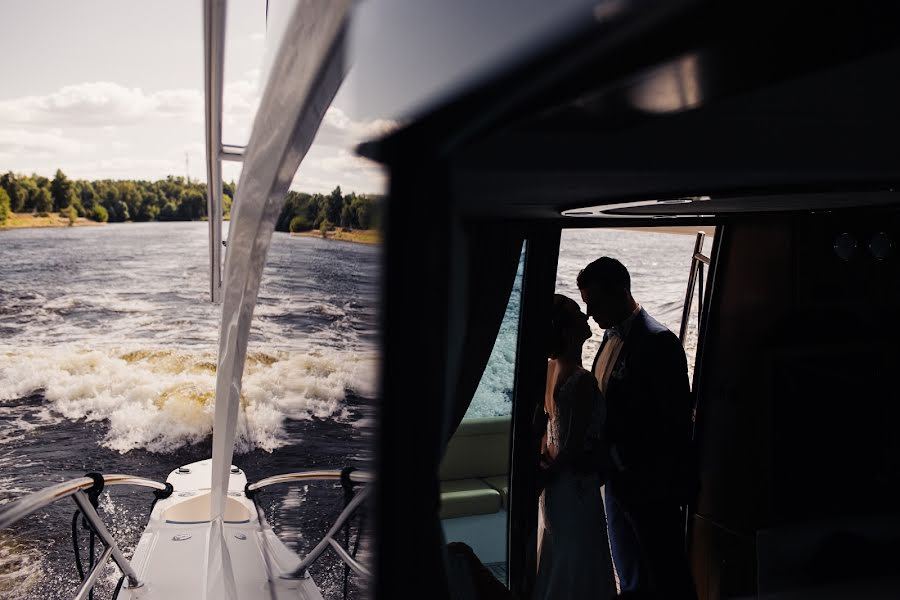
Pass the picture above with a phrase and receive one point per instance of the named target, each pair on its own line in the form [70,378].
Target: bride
[573,551]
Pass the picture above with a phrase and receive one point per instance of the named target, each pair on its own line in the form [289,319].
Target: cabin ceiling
[676,100]
[836,129]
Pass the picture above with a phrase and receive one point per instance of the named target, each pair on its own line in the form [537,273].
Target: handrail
[84,503]
[22,507]
[232,153]
[329,540]
[85,589]
[355,476]
[698,259]
[351,562]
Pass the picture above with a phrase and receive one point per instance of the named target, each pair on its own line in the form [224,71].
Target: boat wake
[160,399]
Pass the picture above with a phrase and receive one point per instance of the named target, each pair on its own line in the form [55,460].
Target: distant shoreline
[358,236]
[33,221]
[709,230]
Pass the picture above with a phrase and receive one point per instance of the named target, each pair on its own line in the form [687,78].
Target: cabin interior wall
[796,405]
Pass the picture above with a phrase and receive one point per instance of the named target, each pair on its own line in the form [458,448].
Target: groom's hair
[605,272]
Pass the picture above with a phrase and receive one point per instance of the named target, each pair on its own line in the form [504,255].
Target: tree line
[169,199]
[305,212]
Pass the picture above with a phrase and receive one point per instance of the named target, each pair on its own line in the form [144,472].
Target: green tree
[43,203]
[325,227]
[334,205]
[192,207]
[72,214]
[300,223]
[98,213]
[31,194]
[61,190]
[86,194]
[168,212]
[18,195]
[4,206]
[131,197]
[226,205]
[364,215]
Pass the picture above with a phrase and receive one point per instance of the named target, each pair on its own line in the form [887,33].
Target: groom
[642,371]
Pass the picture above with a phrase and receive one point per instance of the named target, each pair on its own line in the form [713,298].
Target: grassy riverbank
[360,236]
[25,220]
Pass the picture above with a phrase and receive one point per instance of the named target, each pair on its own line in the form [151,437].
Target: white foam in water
[161,399]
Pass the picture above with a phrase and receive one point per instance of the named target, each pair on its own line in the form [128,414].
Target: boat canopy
[307,69]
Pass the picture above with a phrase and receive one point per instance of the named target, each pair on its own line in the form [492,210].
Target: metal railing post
[100,529]
[696,259]
[214,75]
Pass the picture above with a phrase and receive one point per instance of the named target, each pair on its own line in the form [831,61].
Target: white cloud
[324,168]
[107,130]
[341,162]
[106,104]
[356,131]
[40,143]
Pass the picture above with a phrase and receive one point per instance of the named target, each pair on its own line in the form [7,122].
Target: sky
[112,89]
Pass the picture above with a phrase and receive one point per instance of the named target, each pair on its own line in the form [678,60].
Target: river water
[107,363]
[659,265]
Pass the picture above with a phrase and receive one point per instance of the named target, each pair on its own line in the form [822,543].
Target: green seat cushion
[501,484]
[479,448]
[467,497]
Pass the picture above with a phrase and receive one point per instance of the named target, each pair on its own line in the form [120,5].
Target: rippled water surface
[107,363]
[659,265]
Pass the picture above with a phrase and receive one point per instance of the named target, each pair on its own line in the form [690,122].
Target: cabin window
[659,262]
[493,398]
[474,472]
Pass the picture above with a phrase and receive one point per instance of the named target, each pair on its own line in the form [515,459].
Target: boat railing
[79,490]
[348,478]
[698,261]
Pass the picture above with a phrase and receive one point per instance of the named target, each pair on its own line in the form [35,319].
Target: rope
[118,587]
[78,566]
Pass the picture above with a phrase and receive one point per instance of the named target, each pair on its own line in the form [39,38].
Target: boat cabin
[775,124]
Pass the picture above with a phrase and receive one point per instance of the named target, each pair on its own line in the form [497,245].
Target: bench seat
[501,484]
[465,497]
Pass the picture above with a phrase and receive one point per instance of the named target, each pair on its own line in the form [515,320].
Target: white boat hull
[171,556]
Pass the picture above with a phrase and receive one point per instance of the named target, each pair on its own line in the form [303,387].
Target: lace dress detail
[565,398]
[574,559]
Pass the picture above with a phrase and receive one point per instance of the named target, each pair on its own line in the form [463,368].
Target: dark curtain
[492,257]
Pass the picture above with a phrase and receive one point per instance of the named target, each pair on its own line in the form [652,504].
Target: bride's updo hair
[561,319]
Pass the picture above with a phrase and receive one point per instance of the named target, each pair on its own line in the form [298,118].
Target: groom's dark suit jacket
[649,422]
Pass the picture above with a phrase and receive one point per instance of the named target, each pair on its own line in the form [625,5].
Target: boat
[207,536]
[774,123]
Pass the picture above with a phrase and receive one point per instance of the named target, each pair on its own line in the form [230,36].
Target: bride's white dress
[574,559]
